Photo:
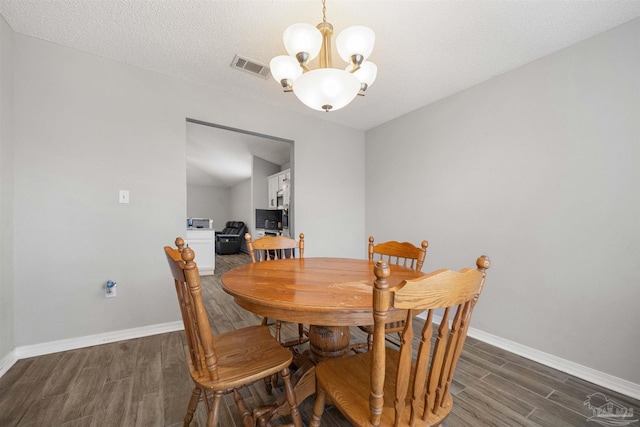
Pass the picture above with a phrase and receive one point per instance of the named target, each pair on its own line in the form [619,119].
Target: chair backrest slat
[422,362]
[404,254]
[427,396]
[194,315]
[433,376]
[402,380]
[462,335]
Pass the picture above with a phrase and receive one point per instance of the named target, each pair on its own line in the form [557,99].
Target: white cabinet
[279,189]
[273,191]
[282,178]
[203,244]
[286,189]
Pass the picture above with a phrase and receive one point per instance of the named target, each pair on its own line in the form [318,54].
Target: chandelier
[325,88]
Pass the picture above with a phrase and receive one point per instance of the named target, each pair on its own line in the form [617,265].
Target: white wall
[240,203]
[87,127]
[538,168]
[6,192]
[208,201]
[260,170]
[338,172]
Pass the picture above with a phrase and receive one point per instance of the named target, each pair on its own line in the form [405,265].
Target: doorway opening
[227,172]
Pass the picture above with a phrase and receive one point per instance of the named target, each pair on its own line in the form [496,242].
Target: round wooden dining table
[329,294]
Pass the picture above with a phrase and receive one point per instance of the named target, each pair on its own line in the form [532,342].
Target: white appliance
[205,223]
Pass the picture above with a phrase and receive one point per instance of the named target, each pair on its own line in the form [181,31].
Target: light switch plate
[124,196]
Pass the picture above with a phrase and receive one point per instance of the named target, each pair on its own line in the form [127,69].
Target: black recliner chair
[229,240]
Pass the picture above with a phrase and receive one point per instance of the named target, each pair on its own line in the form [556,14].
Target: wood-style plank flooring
[145,382]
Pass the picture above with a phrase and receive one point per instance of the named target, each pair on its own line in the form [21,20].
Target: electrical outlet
[124,196]
[110,289]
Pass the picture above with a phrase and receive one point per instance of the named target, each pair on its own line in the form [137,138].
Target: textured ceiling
[223,158]
[425,50]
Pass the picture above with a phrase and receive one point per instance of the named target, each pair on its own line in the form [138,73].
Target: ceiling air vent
[250,67]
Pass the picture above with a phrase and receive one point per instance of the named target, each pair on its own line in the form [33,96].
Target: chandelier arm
[326,29]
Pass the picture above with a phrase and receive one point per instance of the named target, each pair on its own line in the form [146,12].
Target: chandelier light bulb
[284,67]
[356,40]
[302,38]
[366,74]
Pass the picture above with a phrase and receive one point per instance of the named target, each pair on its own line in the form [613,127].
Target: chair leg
[193,404]
[247,419]
[274,377]
[369,342]
[291,398]
[268,386]
[267,381]
[318,408]
[214,411]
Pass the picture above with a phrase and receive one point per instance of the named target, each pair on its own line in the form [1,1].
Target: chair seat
[346,382]
[246,355]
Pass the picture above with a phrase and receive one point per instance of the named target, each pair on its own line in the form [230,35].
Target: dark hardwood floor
[145,382]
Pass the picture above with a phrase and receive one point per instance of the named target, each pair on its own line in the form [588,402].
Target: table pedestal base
[328,342]
[325,342]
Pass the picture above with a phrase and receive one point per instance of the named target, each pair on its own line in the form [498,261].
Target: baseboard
[7,362]
[583,372]
[91,340]
[588,374]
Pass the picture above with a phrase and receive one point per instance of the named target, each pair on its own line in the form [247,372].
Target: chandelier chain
[324,11]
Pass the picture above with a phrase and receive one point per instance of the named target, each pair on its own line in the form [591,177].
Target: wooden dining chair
[404,254]
[389,387]
[268,248]
[223,363]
